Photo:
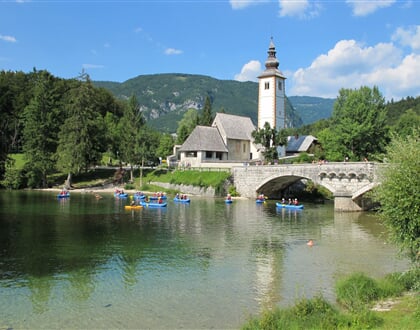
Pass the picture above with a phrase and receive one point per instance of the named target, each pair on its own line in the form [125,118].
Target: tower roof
[271,64]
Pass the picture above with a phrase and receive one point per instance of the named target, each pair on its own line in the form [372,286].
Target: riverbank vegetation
[359,306]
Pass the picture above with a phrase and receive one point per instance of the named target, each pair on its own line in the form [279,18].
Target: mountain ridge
[164,98]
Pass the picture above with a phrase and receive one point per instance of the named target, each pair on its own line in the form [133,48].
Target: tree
[206,118]
[81,137]
[399,193]
[41,125]
[130,125]
[187,124]
[270,138]
[166,145]
[358,125]
[407,122]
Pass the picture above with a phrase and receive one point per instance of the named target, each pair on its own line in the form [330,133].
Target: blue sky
[322,46]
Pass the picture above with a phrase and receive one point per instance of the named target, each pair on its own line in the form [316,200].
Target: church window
[280,86]
[266,85]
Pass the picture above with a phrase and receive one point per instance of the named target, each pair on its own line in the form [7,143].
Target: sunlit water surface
[87,263]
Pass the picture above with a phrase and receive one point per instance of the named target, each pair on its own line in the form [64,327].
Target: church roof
[234,127]
[299,143]
[204,138]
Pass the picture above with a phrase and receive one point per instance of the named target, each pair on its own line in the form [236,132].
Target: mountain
[164,98]
[312,109]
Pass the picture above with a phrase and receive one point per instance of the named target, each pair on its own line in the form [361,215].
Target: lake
[87,263]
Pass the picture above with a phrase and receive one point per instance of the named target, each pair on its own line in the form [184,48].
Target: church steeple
[271,62]
[271,93]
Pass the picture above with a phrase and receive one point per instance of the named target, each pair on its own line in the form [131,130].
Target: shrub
[356,291]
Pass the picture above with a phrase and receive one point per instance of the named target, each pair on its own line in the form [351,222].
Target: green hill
[312,109]
[164,98]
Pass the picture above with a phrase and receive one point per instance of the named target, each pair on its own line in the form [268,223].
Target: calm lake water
[87,263]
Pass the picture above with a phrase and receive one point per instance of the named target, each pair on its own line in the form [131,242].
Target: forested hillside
[164,98]
[312,109]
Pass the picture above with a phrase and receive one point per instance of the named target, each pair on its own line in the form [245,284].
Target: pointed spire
[271,62]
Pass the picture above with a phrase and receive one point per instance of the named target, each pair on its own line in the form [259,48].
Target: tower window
[266,85]
[280,86]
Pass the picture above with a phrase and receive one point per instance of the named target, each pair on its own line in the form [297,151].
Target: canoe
[133,207]
[287,206]
[151,204]
[67,194]
[155,198]
[228,201]
[179,200]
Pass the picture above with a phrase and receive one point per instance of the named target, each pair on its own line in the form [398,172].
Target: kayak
[150,204]
[155,198]
[228,201]
[136,197]
[259,201]
[180,200]
[291,206]
[67,194]
[124,195]
[133,207]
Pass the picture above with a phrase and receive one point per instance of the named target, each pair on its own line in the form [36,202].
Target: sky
[322,46]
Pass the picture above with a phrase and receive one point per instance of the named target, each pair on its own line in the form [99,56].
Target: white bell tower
[271,94]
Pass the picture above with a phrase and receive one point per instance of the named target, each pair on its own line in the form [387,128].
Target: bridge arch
[347,181]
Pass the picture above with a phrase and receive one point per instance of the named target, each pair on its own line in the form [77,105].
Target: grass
[356,295]
[19,160]
[215,179]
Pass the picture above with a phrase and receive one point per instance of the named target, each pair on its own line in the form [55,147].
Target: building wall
[239,149]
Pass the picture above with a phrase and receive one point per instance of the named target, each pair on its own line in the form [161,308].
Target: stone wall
[185,189]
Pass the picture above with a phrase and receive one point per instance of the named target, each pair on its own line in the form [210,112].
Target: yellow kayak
[133,207]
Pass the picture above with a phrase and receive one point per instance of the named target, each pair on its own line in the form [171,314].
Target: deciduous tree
[399,194]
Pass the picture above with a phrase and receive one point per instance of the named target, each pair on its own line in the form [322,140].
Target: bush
[356,291]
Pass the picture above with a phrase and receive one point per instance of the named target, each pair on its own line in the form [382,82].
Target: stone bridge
[347,181]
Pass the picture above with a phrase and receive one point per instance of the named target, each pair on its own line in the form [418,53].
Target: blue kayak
[137,197]
[180,200]
[119,195]
[155,198]
[289,206]
[259,201]
[66,195]
[151,204]
[228,201]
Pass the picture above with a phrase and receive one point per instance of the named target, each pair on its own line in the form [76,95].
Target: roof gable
[204,138]
[234,127]
[299,143]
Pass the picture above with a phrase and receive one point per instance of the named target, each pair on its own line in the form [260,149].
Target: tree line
[68,125]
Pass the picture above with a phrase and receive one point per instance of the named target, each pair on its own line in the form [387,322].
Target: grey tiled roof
[234,127]
[204,138]
[299,143]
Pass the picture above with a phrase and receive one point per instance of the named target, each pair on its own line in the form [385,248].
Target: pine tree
[41,118]
[81,135]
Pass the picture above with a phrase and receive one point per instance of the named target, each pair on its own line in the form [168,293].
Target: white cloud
[364,8]
[173,51]
[8,38]
[299,8]
[240,4]
[92,66]
[408,37]
[352,65]
[249,72]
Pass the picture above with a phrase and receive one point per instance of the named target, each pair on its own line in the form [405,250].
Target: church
[228,141]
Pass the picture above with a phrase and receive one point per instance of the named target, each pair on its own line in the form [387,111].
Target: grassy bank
[358,298]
